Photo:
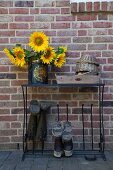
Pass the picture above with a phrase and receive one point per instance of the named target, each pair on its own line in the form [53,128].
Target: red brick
[3,11]
[70,103]
[16,97]
[4,97]
[71,117]
[81,7]
[18,110]
[104,6]
[24,18]
[77,47]
[61,40]
[16,138]
[65,10]
[88,6]
[34,10]
[4,69]
[68,90]
[3,26]
[103,39]
[45,4]
[45,18]
[24,4]
[97,46]
[42,96]
[96,6]
[67,33]
[77,132]
[108,96]
[15,125]
[8,118]
[22,75]
[7,33]
[18,11]
[19,40]
[8,103]
[80,25]
[4,40]
[82,39]
[61,97]
[107,53]
[86,17]
[110,6]
[60,25]
[50,33]
[108,68]
[65,18]
[110,60]
[82,32]
[4,139]
[102,24]
[94,32]
[74,7]
[17,82]
[4,83]
[21,33]
[8,90]
[4,111]
[6,4]
[62,3]
[102,16]
[40,25]
[18,26]
[8,132]
[47,90]
[50,11]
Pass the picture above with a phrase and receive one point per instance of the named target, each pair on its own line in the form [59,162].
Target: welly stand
[90,154]
[91,157]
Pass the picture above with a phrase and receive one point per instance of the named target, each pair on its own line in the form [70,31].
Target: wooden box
[77,79]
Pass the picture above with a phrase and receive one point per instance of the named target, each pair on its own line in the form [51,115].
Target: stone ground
[12,160]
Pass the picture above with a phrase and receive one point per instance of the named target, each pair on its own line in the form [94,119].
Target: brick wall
[83,28]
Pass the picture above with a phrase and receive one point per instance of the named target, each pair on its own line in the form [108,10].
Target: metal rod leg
[83,127]
[58,111]
[92,126]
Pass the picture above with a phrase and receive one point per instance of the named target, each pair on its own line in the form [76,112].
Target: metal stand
[89,154]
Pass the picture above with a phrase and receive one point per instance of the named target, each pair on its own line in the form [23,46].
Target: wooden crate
[77,79]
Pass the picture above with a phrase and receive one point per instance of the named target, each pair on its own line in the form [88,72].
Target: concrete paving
[12,160]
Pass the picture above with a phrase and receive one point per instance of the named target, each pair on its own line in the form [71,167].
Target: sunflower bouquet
[39,50]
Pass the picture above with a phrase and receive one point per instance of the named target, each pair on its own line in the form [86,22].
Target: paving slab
[12,160]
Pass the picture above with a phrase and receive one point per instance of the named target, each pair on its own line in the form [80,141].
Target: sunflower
[62,49]
[48,56]
[60,60]
[19,56]
[11,57]
[38,41]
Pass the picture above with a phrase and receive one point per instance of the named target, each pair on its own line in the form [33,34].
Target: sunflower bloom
[19,56]
[60,60]
[38,41]
[62,49]
[48,56]
[11,57]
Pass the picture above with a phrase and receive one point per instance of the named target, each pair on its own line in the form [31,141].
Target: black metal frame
[91,152]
